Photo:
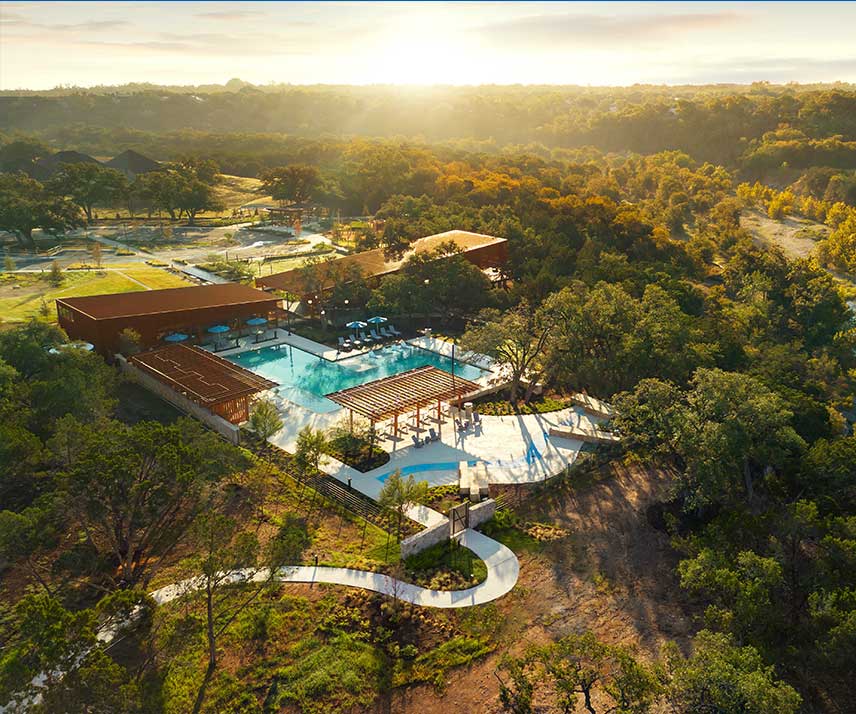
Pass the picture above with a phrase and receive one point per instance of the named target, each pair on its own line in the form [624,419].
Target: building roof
[404,392]
[131,162]
[202,377]
[153,302]
[375,263]
[48,165]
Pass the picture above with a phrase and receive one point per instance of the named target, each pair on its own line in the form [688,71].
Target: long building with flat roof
[100,319]
[482,250]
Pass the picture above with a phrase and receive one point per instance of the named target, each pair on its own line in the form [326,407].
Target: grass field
[23,296]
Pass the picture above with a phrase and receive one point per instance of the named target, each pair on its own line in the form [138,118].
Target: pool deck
[503,442]
[331,354]
[517,449]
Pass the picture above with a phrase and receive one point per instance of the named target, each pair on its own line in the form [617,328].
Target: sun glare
[423,53]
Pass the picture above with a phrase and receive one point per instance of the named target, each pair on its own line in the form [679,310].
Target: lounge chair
[433,435]
[375,336]
[365,340]
[385,333]
[395,332]
[343,346]
[417,442]
[355,343]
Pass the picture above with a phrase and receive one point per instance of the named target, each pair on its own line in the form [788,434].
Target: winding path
[501,563]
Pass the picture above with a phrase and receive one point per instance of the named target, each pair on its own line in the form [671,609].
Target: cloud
[203,44]
[538,31]
[229,14]
[13,20]
[772,69]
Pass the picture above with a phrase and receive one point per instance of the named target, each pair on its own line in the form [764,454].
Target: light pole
[426,283]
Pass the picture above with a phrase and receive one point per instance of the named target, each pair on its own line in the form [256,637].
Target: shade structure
[356,325]
[218,329]
[254,321]
[403,392]
[175,337]
[205,379]
[377,320]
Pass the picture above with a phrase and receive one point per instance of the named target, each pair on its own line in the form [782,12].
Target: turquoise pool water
[304,378]
[421,468]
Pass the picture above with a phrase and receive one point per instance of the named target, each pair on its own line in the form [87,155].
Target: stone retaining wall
[479,513]
[229,431]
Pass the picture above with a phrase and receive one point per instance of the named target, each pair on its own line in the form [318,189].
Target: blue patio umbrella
[254,321]
[219,329]
[377,320]
[175,337]
[356,325]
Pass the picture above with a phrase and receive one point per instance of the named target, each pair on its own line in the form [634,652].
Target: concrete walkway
[502,572]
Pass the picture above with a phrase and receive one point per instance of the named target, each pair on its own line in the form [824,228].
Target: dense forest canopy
[731,365]
[755,128]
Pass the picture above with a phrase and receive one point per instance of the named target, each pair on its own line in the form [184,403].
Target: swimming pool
[305,378]
[422,468]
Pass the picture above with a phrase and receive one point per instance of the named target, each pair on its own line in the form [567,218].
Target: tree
[516,339]
[87,184]
[135,490]
[58,658]
[55,274]
[75,383]
[265,420]
[130,342]
[21,155]
[580,664]
[97,253]
[195,196]
[25,205]
[400,494]
[726,425]
[25,535]
[23,347]
[311,444]
[721,677]
[224,557]
[609,678]
[295,183]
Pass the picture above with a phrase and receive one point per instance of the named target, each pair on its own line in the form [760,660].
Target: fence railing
[330,488]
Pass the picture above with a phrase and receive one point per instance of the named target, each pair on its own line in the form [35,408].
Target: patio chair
[395,332]
[366,340]
[417,442]
[476,418]
[385,333]
[462,425]
[355,343]
[433,434]
[375,336]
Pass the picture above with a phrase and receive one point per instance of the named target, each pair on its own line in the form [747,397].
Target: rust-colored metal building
[100,319]
[482,250]
[205,379]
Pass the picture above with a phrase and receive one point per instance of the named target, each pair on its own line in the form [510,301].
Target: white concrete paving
[502,573]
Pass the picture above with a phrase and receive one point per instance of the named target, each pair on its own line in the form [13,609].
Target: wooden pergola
[403,393]
[205,379]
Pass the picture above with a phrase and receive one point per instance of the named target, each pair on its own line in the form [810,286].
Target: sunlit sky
[44,44]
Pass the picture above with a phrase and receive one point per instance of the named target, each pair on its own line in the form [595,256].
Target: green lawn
[21,296]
